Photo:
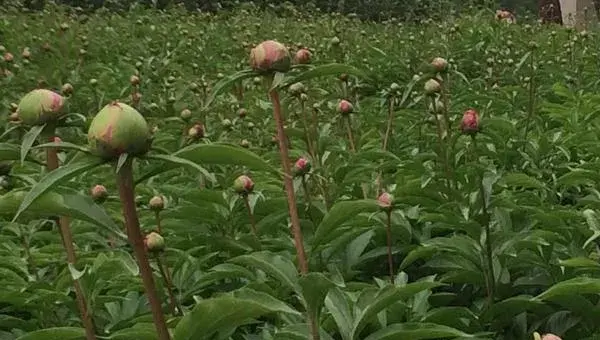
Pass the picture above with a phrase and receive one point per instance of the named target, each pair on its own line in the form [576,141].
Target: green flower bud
[154,242]
[40,106]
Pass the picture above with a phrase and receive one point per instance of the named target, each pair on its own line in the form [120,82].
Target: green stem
[531,104]
[250,215]
[389,245]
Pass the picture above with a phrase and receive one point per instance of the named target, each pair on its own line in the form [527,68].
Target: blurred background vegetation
[365,9]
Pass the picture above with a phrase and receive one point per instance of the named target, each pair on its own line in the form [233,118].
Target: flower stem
[287,180]
[531,102]
[389,245]
[353,148]
[127,195]
[158,224]
[388,132]
[488,237]
[67,239]
[164,272]
[250,215]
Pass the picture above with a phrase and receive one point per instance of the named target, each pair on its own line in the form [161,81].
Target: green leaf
[580,262]
[182,161]
[53,178]
[9,152]
[522,180]
[62,145]
[57,333]
[85,209]
[340,307]
[415,331]
[274,265]
[387,296]
[29,139]
[340,213]
[576,286]
[314,287]
[225,83]
[323,71]
[225,312]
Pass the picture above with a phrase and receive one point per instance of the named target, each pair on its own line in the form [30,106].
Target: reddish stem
[287,181]
[127,195]
[67,239]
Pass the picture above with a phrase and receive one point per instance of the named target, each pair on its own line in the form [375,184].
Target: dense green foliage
[530,178]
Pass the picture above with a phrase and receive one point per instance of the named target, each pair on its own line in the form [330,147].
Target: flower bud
[117,129]
[439,64]
[67,89]
[345,107]
[243,185]
[469,124]
[242,113]
[14,117]
[156,203]
[154,242]
[226,123]
[303,56]
[335,41]
[26,54]
[13,107]
[245,143]
[270,56]
[93,82]
[5,168]
[301,167]
[385,201]
[134,80]
[432,86]
[297,89]
[99,193]
[40,106]
[8,57]
[186,114]
[196,131]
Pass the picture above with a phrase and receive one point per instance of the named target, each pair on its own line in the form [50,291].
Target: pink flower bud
[439,64]
[550,337]
[303,56]
[99,193]
[302,167]
[270,56]
[154,242]
[196,131]
[385,201]
[345,107]
[243,185]
[470,122]
[8,57]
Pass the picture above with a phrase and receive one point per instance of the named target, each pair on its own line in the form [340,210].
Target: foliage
[492,237]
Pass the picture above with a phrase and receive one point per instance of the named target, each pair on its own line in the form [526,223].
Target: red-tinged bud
[270,56]
[550,337]
[196,131]
[99,193]
[56,139]
[134,80]
[303,56]
[345,107]
[157,203]
[301,167]
[154,242]
[385,201]
[439,64]
[40,106]
[242,113]
[67,89]
[243,185]
[8,57]
[469,124]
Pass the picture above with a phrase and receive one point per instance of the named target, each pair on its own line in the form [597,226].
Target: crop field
[248,175]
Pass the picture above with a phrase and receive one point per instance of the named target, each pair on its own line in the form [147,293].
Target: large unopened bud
[548,336]
[157,203]
[270,56]
[439,64]
[243,185]
[99,193]
[303,56]
[432,86]
[196,131]
[385,201]
[40,106]
[469,124]
[345,107]
[301,167]
[154,242]
[117,129]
